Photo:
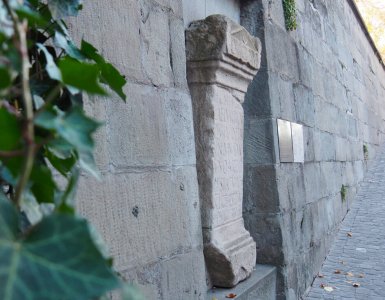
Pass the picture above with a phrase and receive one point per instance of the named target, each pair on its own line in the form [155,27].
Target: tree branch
[20,28]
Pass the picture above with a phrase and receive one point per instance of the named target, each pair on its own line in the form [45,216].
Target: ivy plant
[343,192]
[366,151]
[290,14]
[46,250]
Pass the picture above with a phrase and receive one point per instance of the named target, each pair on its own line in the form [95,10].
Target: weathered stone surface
[324,76]
[200,9]
[146,205]
[222,60]
[260,286]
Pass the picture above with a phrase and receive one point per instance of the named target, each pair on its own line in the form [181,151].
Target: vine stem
[20,29]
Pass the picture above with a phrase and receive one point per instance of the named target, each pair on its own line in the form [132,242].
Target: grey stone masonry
[325,76]
[357,257]
[146,206]
[222,58]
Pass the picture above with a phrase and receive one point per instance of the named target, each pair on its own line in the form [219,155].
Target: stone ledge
[261,285]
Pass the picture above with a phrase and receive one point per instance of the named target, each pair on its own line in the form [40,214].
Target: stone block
[281,52]
[184,273]
[274,12]
[260,286]
[324,146]
[313,181]
[154,128]
[291,188]
[331,171]
[304,105]
[178,53]
[133,210]
[281,93]
[155,44]
[260,189]
[309,143]
[257,101]
[260,145]
[178,276]
[117,36]
[266,231]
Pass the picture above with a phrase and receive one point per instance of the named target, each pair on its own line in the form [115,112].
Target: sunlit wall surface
[373,12]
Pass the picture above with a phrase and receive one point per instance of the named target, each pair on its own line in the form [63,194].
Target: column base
[230,254]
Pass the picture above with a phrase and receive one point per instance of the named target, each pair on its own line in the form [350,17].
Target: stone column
[222,59]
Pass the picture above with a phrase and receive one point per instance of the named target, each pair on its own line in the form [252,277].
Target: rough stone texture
[326,77]
[260,286]
[222,59]
[358,258]
[200,9]
[146,205]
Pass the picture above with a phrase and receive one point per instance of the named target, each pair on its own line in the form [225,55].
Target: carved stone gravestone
[222,59]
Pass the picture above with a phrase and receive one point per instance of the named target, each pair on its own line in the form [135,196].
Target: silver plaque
[285,141]
[298,147]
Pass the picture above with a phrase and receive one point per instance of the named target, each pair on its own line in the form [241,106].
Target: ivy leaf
[10,131]
[112,77]
[33,17]
[43,186]
[62,165]
[5,78]
[67,197]
[64,8]
[8,219]
[56,258]
[51,68]
[109,74]
[80,75]
[75,129]
[68,46]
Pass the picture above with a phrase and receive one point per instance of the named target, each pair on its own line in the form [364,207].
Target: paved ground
[358,254]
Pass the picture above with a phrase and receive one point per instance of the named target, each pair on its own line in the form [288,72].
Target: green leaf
[57,259]
[87,162]
[91,52]
[43,186]
[82,76]
[112,77]
[51,68]
[109,74]
[10,131]
[68,46]
[8,220]
[5,78]
[33,17]
[63,166]
[64,8]
[74,128]
[68,196]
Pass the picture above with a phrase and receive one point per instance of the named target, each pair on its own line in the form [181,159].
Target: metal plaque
[298,146]
[285,141]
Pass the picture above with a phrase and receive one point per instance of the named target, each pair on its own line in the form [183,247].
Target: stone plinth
[222,59]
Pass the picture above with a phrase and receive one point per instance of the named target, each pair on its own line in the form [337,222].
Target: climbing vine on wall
[46,250]
[343,192]
[290,14]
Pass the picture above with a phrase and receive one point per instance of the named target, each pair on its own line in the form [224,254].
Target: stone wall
[325,76]
[199,9]
[146,205]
